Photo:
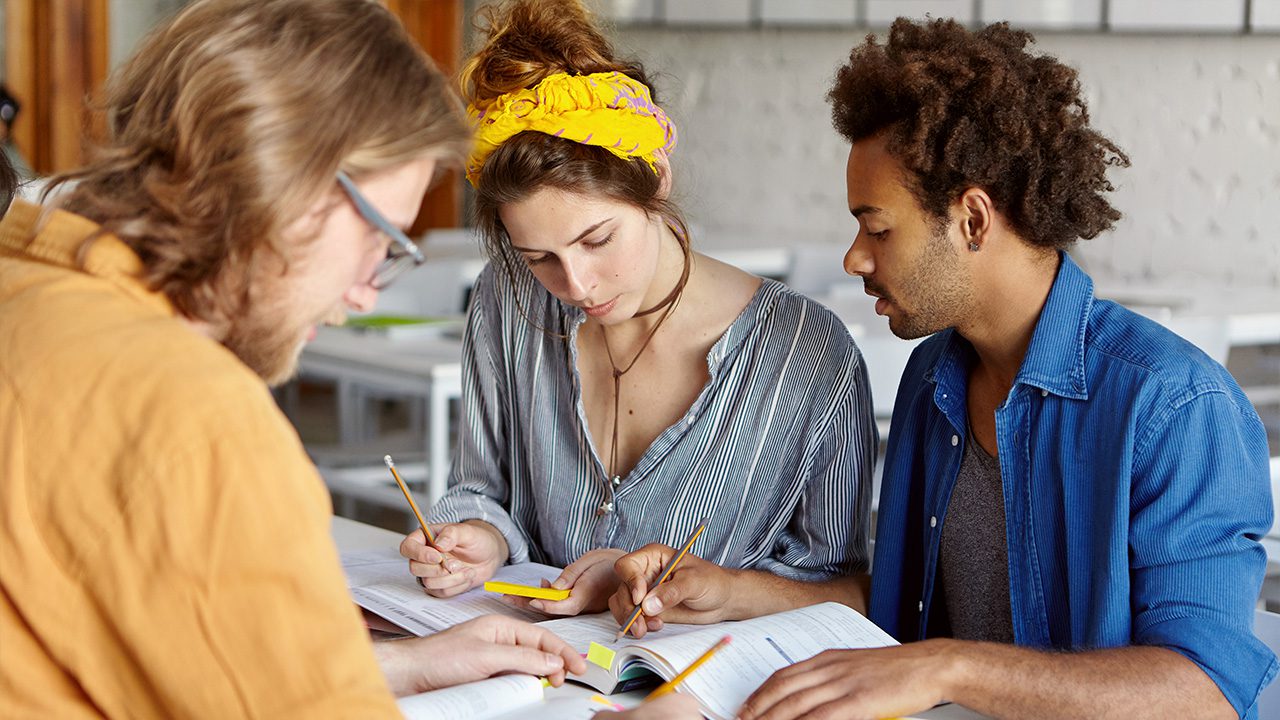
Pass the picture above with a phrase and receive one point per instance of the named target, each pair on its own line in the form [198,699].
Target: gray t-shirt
[973,555]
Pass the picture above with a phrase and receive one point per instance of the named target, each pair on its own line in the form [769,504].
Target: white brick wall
[1198,115]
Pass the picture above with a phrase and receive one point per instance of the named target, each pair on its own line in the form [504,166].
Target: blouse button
[920,606]
[617,481]
[605,508]
[933,521]
[955,440]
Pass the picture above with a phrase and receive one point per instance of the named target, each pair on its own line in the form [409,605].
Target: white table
[353,536]
[426,368]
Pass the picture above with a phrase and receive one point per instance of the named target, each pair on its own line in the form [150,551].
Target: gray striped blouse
[777,450]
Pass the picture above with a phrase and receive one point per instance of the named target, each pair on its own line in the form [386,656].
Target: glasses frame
[402,255]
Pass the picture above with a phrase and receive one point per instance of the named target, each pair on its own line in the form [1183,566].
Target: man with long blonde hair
[164,539]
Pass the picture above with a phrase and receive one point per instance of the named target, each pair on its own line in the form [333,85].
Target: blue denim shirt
[1136,487]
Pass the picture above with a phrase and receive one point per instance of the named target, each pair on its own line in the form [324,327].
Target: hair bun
[528,40]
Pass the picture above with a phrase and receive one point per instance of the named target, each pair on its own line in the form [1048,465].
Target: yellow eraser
[600,655]
[529,591]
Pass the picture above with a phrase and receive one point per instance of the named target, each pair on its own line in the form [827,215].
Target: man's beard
[269,347]
[269,340]
[937,288]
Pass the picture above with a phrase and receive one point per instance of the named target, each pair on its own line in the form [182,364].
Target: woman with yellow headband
[619,387]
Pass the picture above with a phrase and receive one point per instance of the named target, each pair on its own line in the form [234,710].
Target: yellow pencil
[670,685]
[666,573]
[408,496]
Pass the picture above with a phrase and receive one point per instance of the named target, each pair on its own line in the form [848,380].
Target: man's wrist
[953,667]
[396,658]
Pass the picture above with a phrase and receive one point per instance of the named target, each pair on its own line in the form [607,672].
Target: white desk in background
[426,368]
[352,536]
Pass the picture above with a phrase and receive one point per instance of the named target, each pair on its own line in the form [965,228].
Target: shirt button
[920,606]
[955,440]
[944,396]
[1044,393]
[617,481]
[933,521]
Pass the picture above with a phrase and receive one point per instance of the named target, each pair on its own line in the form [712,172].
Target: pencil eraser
[529,591]
[600,655]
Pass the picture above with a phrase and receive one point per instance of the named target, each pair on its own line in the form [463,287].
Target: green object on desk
[385,321]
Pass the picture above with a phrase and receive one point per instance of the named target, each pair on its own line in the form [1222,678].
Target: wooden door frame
[436,25]
[56,57]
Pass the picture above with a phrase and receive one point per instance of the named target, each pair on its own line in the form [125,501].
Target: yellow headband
[608,110]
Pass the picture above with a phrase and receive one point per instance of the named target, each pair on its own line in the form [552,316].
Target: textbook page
[404,603]
[506,697]
[479,700]
[760,646]
[367,567]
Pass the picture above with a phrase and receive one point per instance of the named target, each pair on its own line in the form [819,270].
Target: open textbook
[760,645]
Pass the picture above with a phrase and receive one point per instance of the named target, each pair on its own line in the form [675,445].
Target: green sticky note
[600,655]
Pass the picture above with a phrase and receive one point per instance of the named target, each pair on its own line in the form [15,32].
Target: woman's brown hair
[235,115]
[525,42]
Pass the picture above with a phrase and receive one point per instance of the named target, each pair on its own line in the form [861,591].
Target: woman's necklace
[667,306]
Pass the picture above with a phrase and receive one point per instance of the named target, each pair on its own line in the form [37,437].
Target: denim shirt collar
[1055,357]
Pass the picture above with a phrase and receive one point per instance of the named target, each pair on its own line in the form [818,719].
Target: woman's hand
[466,554]
[591,580]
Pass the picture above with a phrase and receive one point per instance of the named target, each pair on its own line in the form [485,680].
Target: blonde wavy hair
[234,116]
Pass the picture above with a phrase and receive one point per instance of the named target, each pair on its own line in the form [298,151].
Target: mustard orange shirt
[164,540]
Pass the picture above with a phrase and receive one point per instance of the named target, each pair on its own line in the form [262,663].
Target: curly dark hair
[974,109]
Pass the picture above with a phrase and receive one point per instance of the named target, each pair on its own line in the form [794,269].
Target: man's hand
[474,650]
[591,580]
[468,554]
[697,592]
[672,706]
[878,683]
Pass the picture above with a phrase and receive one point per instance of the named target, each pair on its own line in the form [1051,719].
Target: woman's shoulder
[783,307]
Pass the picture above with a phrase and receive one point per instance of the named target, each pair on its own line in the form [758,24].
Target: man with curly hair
[1072,494]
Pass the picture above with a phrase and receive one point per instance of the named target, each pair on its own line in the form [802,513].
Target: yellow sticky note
[529,591]
[602,701]
[600,655]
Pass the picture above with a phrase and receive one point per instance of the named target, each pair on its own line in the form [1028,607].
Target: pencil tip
[387,459]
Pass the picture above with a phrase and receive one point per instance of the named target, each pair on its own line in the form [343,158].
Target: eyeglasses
[402,255]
